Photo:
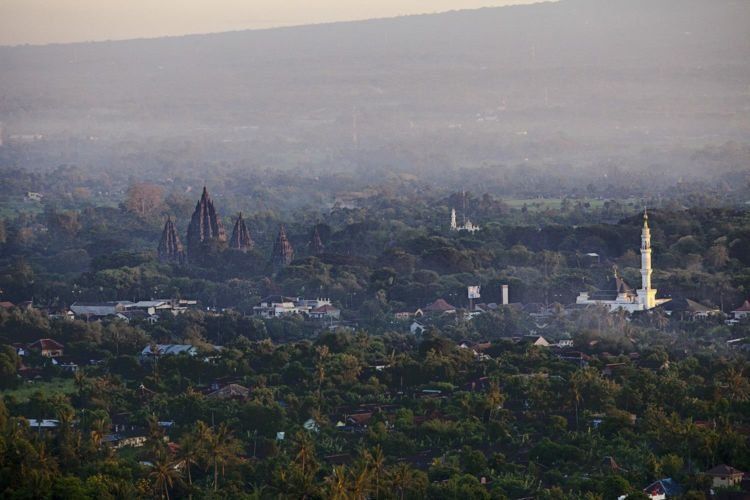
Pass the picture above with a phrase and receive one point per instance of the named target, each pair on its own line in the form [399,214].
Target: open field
[29,388]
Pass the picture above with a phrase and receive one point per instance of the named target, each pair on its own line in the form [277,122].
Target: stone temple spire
[241,239]
[283,253]
[204,226]
[316,244]
[170,247]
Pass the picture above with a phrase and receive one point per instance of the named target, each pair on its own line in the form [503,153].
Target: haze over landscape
[493,253]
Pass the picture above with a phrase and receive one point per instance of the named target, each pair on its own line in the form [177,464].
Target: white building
[467,225]
[276,306]
[618,294]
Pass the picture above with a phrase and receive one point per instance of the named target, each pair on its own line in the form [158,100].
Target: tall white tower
[454,225]
[646,294]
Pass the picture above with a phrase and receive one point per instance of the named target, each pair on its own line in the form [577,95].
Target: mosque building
[619,295]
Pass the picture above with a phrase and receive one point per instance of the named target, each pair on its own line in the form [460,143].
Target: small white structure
[417,328]
[466,226]
[623,296]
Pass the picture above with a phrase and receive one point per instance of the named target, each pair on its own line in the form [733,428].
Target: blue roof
[668,485]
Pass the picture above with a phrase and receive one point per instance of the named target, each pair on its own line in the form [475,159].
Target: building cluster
[206,231]
[277,306]
[148,310]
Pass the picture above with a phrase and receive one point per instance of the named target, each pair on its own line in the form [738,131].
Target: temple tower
[316,246]
[205,226]
[241,239]
[283,253]
[170,247]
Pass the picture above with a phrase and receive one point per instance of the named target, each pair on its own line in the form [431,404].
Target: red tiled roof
[6,305]
[324,309]
[46,344]
[745,307]
[440,305]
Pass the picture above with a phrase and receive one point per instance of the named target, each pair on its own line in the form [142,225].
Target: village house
[325,312]
[724,476]
[149,352]
[230,391]
[743,311]
[687,309]
[47,347]
[440,306]
[277,306]
[95,310]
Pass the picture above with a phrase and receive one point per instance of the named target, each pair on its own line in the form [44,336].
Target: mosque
[618,295]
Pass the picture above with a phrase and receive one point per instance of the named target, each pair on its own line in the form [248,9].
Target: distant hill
[570,80]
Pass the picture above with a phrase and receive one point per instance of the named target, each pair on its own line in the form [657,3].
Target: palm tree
[79,379]
[576,388]
[375,461]
[98,430]
[401,478]
[155,439]
[338,487]
[164,474]
[306,452]
[188,455]
[735,384]
[222,448]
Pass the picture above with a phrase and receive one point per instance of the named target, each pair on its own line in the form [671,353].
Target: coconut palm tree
[375,461]
[188,455]
[163,474]
[338,484]
[98,430]
[401,478]
[222,449]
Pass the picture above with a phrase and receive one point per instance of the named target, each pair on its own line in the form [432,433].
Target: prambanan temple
[206,230]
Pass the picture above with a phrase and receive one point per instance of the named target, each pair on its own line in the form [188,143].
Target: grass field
[555,203]
[27,389]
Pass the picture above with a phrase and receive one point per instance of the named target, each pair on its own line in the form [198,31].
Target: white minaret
[646,295]
[454,225]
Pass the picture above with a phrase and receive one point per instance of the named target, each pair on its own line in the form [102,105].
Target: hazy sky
[49,21]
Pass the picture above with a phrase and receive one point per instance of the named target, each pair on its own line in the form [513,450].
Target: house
[48,348]
[230,391]
[325,312]
[311,425]
[689,309]
[135,439]
[99,309]
[724,476]
[359,420]
[136,315]
[46,424]
[440,306]
[66,364]
[7,305]
[168,350]
[663,488]
[404,315]
[276,306]
[534,340]
[743,311]
[417,328]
